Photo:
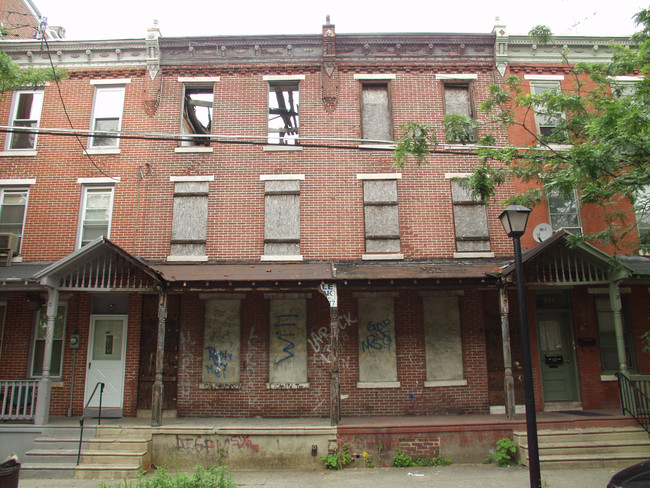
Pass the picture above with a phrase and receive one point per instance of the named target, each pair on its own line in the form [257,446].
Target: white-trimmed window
[3,313]
[108,106]
[38,342]
[26,110]
[381,216]
[13,206]
[546,120]
[284,110]
[642,212]
[564,211]
[197,114]
[95,214]
[282,217]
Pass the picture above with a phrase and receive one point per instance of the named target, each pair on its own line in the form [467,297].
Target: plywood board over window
[381,216]
[288,342]
[470,219]
[377,349]
[282,218]
[222,341]
[189,221]
[376,118]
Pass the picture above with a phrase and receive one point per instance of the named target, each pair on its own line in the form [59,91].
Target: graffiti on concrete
[200,444]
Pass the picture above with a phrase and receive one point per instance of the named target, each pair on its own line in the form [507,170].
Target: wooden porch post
[158,397]
[615,303]
[508,380]
[329,290]
[42,415]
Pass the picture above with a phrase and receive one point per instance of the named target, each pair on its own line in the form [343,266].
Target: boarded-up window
[377,350]
[444,350]
[189,223]
[197,115]
[288,342]
[282,218]
[284,104]
[470,219]
[459,99]
[221,341]
[381,216]
[376,119]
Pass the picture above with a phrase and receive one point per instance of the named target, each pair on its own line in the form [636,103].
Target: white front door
[106,360]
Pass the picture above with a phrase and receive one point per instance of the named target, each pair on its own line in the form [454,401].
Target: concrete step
[590,434]
[47,471]
[106,471]
[591,461]
[122,444]
[113,457]
[51,456]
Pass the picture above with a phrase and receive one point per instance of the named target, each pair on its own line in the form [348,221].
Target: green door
[557,355]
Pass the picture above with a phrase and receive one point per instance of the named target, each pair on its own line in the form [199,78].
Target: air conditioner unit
[9,242]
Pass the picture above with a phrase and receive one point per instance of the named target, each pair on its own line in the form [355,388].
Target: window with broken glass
[282,218]
[197,115]
[190,218]
[470,219]
[564,210]
[376,112]
[284,104]
[381,216]
[458,99]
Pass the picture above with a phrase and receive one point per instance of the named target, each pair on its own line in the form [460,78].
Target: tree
[12,77]
[599,142]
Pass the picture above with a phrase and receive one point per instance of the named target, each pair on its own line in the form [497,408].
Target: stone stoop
[605,447]
[118,458]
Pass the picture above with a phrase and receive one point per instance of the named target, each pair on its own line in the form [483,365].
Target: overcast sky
[124,19]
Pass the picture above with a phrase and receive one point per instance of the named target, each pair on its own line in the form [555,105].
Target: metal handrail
[83,416]
[634,401]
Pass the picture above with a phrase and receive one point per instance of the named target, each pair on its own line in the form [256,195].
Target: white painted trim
[382,257]
[375,76]
[544,77]
[18,181]
[117,81]
[288,386]
[19,152]
[382,147]
[378,384]
[473,254]
[283,77]
[281,177]
[190,179]
[193,149]
[501,409]
[112,150]
[267,257]
[456,76]
[98,181]
[608,377]
[627,79]
[379,176]
[199,79]
[436,383]
[451,176]
[187,259]
[282,147]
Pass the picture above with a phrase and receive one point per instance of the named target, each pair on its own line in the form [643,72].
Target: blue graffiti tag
[378,338]
[283,336]
[220,361]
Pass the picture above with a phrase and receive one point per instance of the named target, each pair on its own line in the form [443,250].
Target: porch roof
[20,275]
[254,271]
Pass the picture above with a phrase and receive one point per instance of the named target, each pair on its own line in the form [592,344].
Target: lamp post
[514,219]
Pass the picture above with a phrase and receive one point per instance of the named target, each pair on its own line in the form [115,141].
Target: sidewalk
[454,476]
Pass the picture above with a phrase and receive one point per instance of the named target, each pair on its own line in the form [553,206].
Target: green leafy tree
[13,77]
[599,143]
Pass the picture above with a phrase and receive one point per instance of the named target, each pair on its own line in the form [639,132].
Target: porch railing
[18,399]
[82,420]
[635,399]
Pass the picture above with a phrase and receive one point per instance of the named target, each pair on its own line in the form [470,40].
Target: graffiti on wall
[186,362]
[218,362]
[284,332]
[377,337]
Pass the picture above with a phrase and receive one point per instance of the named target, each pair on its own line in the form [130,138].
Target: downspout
[615,304]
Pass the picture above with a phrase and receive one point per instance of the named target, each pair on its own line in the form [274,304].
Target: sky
[129,19]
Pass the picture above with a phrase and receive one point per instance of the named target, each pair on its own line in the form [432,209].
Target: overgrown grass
[402,460]
[212,477]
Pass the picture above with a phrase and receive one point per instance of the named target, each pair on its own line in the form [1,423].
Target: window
[376,117]
[25,112]
[95,216]
[3,313]
[13,203]
[564,211]
[221,340]
[284,104]
[546,119]
[107,115]
[470,219]
[190,218]
[377,348]
[38,342]
[459,100]
[642,211]
[381,216]
[197,114]
[288,341]
[607,334]
[282,217]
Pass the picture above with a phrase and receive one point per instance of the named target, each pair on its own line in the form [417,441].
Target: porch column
[615,303]
[42,415]
[158,397]
[508,380]
[329,290]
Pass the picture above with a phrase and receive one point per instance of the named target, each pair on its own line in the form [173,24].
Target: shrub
[212,477]
[402,460]
[506,450]
[338,460]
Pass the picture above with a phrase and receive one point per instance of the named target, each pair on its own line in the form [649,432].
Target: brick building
[233,202]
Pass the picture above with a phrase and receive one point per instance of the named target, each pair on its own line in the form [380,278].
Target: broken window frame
[287,134]
[366,132]
[467,85]
[191,124]
[19,140]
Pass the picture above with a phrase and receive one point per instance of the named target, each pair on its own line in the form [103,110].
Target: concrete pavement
[454,476]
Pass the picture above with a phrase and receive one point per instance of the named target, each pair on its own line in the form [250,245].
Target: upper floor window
[470,219]
[376,111]
[564,210]
[95,215]
[546,118]
[642,212]
[624,86]
[25,113]
[282,217]
[190,218]
[108,106]
[198,101]
[381,216]
[284,108]
[13,204]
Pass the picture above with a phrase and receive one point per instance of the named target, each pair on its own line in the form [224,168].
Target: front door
[559,380]
[106,360]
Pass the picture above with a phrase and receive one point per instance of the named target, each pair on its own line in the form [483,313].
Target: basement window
[197,115]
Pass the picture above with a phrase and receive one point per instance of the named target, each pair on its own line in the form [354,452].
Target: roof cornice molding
[520,49]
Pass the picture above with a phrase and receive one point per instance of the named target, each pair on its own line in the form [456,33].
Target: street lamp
[514,220]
